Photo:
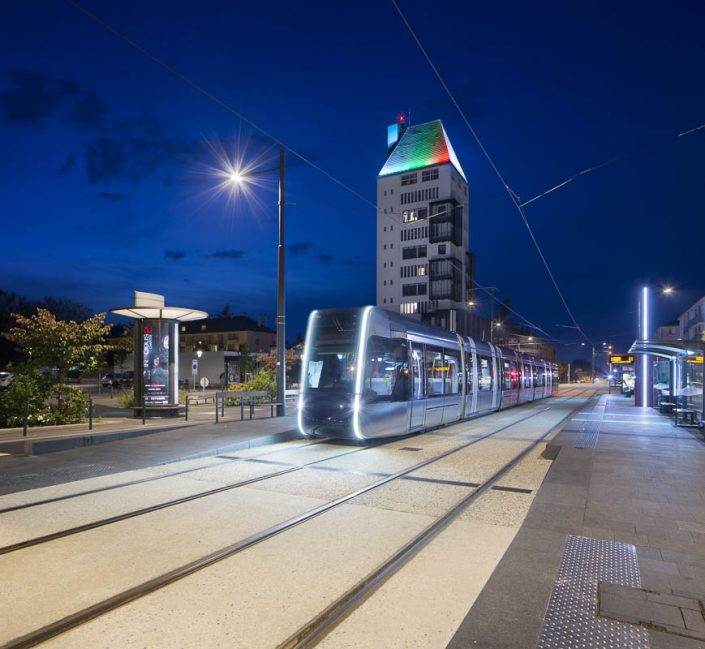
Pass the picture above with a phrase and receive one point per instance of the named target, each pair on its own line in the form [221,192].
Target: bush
[70,405]
[263,382]
[28,385]
[237,387]
[126,398]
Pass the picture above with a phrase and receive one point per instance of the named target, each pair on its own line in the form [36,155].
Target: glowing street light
[239,179]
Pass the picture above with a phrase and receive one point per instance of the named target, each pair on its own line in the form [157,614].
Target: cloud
[325,258]
[228,254]
[109,196]
[143,152]
[114,148]
[69,163]
[32,97]
[176,255]
[300,248]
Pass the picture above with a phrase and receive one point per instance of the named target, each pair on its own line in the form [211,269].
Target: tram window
[511,376]
[540,376]
[468,373]
[417,373]
[527,376]
[484,373]
[386,370]
[451,370]
[331,369]
[434,372]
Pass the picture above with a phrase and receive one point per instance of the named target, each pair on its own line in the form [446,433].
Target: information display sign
[622,360]
[155,362]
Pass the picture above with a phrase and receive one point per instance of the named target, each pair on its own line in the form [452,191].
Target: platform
[612,551]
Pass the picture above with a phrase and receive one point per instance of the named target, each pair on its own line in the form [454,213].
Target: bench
[242,399]
[686,415]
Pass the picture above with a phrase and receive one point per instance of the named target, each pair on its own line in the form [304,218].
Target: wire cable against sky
[508,189]
[222,103]
[601,165]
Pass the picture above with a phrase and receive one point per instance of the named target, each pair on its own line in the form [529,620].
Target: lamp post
[237,177]
[491,290]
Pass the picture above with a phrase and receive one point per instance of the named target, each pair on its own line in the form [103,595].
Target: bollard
[90,412]
[252,405]
[222,406]
[26,417]
[186,407]
[144,416]
[111,390]
[216,407]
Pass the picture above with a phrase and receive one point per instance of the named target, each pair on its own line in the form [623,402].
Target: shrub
[29,385]
[126,398]
[263,382]
[70,405]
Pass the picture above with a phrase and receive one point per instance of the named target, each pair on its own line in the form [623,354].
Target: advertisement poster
[155,340]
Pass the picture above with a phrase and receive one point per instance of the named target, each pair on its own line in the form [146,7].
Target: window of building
[385,300]
[408,179]
[183,328]
[203,327]
[384,265]
[385,227]
[384,283]
[385,246]
[391,245]
[429,174]
[442,249]
[409,308]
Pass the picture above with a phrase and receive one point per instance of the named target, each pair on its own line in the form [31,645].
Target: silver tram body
[369,373]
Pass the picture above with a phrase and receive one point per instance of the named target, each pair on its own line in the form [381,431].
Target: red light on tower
[401,118]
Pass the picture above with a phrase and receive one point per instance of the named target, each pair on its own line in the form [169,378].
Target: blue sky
[105,185]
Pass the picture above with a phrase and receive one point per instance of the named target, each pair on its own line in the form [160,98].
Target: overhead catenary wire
[223,104]
[512,195]
[606,163]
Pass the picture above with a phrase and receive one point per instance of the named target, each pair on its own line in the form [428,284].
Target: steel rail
[85,527]
[322,624]
[130,483]
[113,602]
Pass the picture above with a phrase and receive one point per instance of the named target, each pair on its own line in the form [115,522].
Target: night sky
[106,172]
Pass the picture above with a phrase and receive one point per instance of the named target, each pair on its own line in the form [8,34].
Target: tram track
[318,627]
[161,476]
[111,603]
[85,527]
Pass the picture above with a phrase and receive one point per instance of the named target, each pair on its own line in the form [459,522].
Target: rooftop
[234,323]
[421,146]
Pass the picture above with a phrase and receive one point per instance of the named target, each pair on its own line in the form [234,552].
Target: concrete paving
[19,473]
[624,475]
[260,596]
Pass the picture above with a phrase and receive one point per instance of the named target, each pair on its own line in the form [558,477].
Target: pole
[593,364]
[492,315]
[26,417]
[281,300]
[90,412]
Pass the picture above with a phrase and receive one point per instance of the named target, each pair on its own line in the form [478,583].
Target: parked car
[118,380]
[5,380]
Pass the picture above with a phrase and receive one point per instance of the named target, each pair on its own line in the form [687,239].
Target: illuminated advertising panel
[155,362]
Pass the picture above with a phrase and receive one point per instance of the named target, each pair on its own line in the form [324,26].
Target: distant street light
[238,178]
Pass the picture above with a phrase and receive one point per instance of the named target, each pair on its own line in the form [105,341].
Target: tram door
[418,396]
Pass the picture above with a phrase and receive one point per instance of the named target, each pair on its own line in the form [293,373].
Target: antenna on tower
[409,120]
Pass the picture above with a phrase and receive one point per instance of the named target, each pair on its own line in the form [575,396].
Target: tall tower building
[424,267]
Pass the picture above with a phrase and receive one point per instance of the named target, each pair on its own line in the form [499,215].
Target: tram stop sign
[204,382]
[194,366]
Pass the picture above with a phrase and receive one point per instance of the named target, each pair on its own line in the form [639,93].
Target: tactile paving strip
[590,430]
[571,620]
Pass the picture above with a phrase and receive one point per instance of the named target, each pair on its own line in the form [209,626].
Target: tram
[369,373]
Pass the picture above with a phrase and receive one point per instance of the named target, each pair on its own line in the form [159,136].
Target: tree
[54,343]
[270,362]
[247,361]
[225,312]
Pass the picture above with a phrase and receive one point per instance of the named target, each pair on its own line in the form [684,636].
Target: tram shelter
[156,352]
[674,376]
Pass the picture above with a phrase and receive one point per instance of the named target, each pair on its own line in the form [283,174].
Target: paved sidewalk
[612,552]
[18,473]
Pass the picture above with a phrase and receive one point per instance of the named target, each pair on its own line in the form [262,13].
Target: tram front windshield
[332,351]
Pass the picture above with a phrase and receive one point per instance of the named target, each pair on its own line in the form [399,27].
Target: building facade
[670,331]
[226,334]
[692,322]
[424,268]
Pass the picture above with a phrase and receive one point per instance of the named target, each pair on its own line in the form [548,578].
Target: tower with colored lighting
[424,267]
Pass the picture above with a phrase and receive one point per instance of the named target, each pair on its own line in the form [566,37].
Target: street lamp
[237,178]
